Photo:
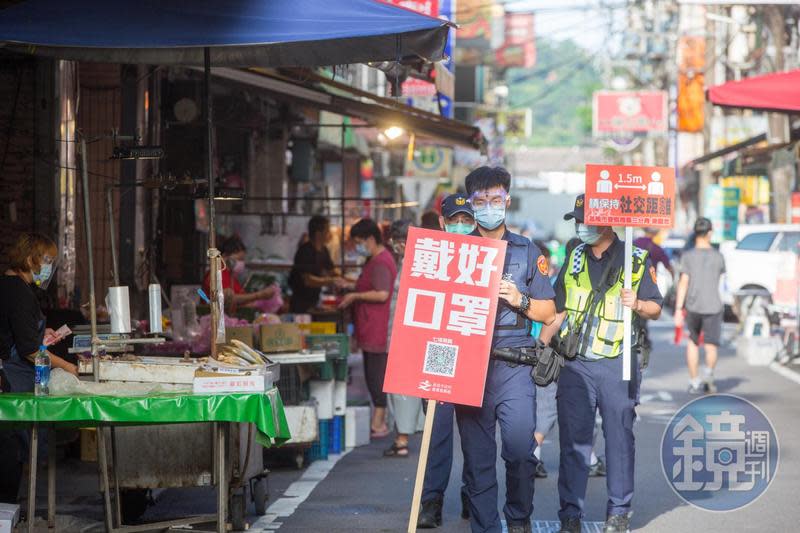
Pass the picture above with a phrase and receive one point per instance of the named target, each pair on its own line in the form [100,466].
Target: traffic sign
[630,196]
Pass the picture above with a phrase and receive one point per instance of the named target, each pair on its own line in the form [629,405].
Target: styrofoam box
[9,516]
[356,426]
[322,392]
[339,398]
[226,384]
[302,422]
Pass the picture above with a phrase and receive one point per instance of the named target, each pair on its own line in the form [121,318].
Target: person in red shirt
[371,299]
[233,253]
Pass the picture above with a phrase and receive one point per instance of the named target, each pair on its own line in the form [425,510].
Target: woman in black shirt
[22,328]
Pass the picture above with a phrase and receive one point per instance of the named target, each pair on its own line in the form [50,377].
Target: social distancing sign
[630,196]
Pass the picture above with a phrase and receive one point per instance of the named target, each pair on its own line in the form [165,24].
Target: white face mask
[588,234]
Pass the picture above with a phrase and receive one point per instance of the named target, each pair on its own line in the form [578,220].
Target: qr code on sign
[440,359]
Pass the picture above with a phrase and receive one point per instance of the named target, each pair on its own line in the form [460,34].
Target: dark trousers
[374,371]
[583,388]
[440,455]
[10,457]
[510,399]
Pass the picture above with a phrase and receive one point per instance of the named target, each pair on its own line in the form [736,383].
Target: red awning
[778,92]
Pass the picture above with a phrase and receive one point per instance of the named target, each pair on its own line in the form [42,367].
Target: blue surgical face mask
[361,249]
[44,274]
[490,217]
[588,234]
[460,228]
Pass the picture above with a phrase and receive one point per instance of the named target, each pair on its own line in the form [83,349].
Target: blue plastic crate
[319,449]
[336,439]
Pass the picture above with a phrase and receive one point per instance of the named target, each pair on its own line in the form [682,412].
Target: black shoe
[464,506]
[570,525]
[597,469]
[521,528]
[430,516]
[618,523]
[541,472]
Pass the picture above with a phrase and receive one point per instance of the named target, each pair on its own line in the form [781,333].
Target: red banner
[629,196]
[444,318]
[629,112]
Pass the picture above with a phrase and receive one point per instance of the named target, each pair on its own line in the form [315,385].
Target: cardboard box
[226,384]
[240,333]
[277,338]
[318,328]
[9,516]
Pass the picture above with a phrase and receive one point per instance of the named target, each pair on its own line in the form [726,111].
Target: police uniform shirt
[538,287]
[648,290]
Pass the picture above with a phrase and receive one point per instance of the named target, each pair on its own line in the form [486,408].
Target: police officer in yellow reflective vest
[589,301]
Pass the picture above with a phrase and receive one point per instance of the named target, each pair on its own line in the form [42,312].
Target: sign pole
[626,311]
[422,464]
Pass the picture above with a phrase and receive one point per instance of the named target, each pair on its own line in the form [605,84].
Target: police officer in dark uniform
[589,328]
[457,217]
[510,394]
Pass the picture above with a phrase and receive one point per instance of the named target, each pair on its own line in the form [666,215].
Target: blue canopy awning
[270,33]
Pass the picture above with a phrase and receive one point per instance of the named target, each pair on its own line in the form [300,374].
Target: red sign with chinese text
[629,196]
[629,111]
[444,317]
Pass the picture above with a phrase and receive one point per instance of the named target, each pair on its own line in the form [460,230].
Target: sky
[584,21]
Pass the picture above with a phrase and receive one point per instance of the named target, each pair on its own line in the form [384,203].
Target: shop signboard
[617,112]
[721,206]
[430,162]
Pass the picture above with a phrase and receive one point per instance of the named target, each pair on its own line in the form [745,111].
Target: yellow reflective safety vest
[607,329]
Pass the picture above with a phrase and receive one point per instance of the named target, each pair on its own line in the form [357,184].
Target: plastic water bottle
[42,366]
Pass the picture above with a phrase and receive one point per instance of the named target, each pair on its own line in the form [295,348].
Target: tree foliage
[559,91]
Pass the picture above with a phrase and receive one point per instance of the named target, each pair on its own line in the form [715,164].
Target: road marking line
[296,494]
[785,372]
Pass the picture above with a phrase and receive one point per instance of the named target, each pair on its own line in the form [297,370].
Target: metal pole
[32,477]
[222,478]
[626,311]
[51,478]
[212,232]
[102,463]
[87,222]
[115,466]
[111,231]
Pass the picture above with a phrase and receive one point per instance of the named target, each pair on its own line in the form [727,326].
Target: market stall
[264,411]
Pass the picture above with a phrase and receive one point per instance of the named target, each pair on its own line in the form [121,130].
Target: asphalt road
[362,491]
[366,492]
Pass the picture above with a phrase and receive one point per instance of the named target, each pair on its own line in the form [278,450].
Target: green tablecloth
[263,410]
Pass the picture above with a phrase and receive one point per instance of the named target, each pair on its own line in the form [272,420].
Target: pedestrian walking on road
[590,295]
[406,410]
[698,291]
[371,299]
[457,217]
[525,295]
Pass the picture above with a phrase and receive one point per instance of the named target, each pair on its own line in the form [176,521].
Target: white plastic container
[322,392]
[9,516]
[339,398]
[356,426]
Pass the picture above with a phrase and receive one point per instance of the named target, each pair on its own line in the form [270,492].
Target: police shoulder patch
[653,274]
[541,263]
